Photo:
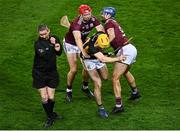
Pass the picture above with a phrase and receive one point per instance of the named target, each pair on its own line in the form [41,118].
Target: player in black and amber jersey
[95,65]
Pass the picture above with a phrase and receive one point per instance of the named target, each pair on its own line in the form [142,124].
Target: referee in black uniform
[44,72]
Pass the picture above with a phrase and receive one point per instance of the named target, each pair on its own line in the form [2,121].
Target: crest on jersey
[91,25]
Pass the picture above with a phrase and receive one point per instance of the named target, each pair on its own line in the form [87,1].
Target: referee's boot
[55,116]
[134,96]
[88,93]
[49,122]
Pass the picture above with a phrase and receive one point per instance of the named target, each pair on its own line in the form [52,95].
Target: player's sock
[47,109]
[118,102]
[69,89]
[134,90]
[101,106]
[85,85]
[69,94]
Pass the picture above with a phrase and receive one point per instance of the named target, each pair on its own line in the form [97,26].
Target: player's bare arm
[100,28]
[77,36]
[111,34]
[106,59]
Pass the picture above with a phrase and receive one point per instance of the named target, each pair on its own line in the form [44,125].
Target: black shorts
[42,79]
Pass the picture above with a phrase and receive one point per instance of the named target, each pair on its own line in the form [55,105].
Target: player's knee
[73,70]
[105,78]
[116,77]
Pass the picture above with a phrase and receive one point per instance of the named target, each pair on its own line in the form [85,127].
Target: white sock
[118,105]
[68,90]
[85,87]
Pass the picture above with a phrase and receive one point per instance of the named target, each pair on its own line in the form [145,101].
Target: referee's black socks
[51,105]
[48,107]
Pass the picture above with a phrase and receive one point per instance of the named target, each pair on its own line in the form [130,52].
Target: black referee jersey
[45,55]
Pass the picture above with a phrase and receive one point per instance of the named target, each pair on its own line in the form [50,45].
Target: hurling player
[96,67]
[117,40]
[79,29]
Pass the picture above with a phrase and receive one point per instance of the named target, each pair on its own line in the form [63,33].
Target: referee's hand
[53,40]
[57,47]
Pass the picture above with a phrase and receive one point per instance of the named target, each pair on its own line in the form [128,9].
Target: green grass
[154,24]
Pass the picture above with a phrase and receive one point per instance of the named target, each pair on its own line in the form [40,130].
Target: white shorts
[91,64]
[69,48]
[130,52]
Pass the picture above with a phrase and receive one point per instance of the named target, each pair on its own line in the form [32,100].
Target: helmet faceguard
[109,11]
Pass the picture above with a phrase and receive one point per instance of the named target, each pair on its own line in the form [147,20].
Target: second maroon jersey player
[119,41]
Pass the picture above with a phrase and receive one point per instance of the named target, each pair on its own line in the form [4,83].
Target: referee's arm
[58,44]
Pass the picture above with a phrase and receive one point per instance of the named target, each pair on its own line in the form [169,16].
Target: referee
[44,72]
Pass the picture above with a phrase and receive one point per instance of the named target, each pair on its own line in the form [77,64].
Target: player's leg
[72,52]
[97,92]
[118,71]
[132,83]
[104,72]
[85,77]
[97,85]
[72,60]
[131,53]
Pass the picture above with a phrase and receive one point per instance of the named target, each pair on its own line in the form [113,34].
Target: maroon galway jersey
[120,37]
[78,25]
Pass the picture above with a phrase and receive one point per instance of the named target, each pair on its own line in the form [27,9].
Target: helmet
[103,41]
[84,9]
[109,10]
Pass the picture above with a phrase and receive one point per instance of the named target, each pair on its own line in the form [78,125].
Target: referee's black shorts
[42,79]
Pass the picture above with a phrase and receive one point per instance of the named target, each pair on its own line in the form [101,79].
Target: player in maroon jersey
[79,29]
[117,40]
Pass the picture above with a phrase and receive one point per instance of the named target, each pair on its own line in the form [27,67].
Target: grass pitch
[154,24]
